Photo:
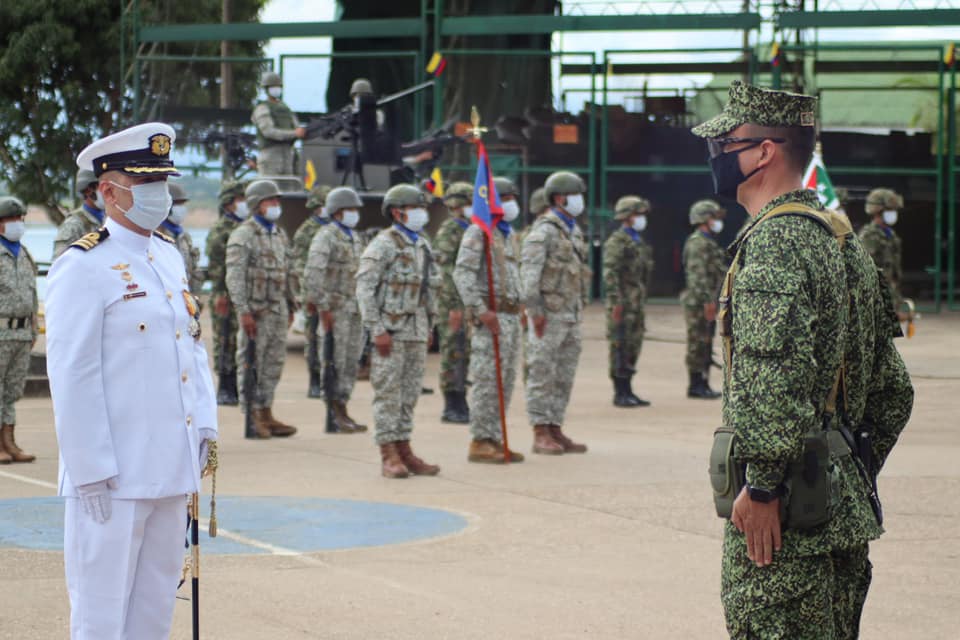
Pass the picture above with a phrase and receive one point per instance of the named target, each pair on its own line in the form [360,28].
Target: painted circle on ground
[257,524]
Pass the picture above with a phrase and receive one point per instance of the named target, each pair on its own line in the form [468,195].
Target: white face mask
[13,230]
[639,223]
[241,211]
[350,218]
[716,226]
[177,214]
[417,219]
[98,201]
[274,92]
[468,212]
[272,213]
[890,217]
[322,213]
[510,210]
[151,204]
[574,204]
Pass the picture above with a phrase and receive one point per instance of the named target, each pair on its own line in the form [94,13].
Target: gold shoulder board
[164,237]
[92,239]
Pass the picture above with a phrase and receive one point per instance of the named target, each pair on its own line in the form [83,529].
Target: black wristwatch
[764,495]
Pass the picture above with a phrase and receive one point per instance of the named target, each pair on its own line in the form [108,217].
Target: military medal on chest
[193,327]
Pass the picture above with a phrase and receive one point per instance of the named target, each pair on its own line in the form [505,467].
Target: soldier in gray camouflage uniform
[18,322]
[470,276]
[554,277]
[277,129]
[173,226]
[301,247]
[81,221]
[398,309]
[329,288]
[538,206]
[263,289]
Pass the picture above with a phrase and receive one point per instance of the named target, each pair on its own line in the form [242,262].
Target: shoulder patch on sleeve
[92,239]
[164,237]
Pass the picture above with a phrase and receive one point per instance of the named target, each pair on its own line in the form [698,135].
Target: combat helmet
[342,198]
[11,207]
[538,201]
[401,195]
[629,205]
[458,194]
[258,191]
[702,210]
[361,86]
[85,178]
[506,187]
[230,190]
[318,196]
[563,182]
[880,200]
[177,192]
[270,79]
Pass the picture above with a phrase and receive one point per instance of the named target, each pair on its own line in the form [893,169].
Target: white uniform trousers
[122,575]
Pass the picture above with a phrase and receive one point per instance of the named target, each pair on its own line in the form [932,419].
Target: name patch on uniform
[136,294]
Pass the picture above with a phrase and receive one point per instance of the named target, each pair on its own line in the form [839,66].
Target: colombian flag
[436,65]
[487,211]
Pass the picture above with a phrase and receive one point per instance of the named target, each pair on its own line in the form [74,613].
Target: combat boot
[9,444]
[698,388]
[569,446]
[416,466]
[628,389]
[391,465]
[315,389]
[544,443]
[278,429]
[340,422]
[515,456]
[5,458]
[462,404]
[353,423]
[620,396]
[261,425]
[706,385]
[227,390]
[452,411]
[483,451]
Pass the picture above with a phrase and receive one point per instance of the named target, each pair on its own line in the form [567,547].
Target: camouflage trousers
[484,403]
[816,597]
[553,365]
[14,366]
[271,342]
[275,160]
[633,330]
[225,330]
[347,347]
[454,357]
[397,381]
[699,340]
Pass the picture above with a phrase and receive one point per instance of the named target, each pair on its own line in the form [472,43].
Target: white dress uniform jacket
[131,387]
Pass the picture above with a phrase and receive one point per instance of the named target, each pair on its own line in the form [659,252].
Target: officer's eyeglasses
[716,145]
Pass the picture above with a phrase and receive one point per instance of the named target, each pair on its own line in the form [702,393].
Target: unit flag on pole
[816,178]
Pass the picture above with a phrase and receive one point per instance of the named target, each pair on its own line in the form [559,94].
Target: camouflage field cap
[230,190]
[629,205]
[702,210]
[402,195]
[882,199]
[318,196]
[506,187]
[458,194]
[538,201]
[85,178]
[11,207]
[765,107]
[177,192]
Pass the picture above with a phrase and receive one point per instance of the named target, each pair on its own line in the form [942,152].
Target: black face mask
[727,175]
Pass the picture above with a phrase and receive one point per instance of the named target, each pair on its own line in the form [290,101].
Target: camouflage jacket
[259,274]
[79,223]
[391,291]
[554,269]
[789,304]
[330,277]
[445,248]
[883,245]
[470,273]
[216,250]
[627,269]
[191,260]
[302,239]
[275,122]
[18,293]
[705,264]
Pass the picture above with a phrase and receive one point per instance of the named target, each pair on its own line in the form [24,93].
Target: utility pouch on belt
[726,474]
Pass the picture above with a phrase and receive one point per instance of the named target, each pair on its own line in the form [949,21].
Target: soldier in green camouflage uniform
[81,221]
[471,277]
[704,264]
[277,129]
[18,322]
[394,283]
[627,271]
[785,322]
[264,290]
[880,240]
[233,211]
[454,336]
[554,279]
[329,290]
[173,227]
[301,248]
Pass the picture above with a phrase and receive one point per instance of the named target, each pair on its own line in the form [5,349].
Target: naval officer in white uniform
[133,398]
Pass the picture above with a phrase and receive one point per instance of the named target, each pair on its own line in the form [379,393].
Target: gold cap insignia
[160,144]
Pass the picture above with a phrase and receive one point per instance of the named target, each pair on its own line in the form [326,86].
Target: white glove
[96,500]
[205,436]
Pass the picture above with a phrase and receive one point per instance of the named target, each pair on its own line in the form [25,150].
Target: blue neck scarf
[567,220]
[344,228]
[505,228]
[321,221]
[175,229]
[413,235]
[633,233]
[463,223]
[233,217]
[14,247]
[266,224]
[96,213]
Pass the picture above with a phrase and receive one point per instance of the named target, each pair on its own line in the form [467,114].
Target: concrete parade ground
[619,543]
